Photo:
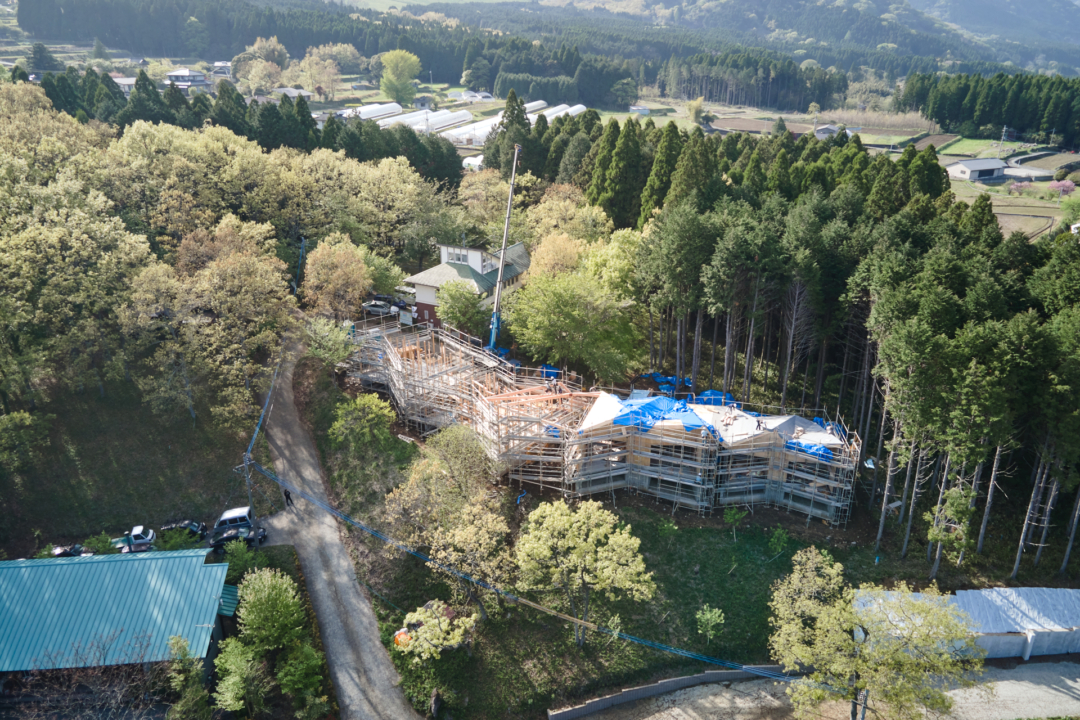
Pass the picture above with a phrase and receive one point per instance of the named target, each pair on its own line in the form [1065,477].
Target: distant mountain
[1029,34]
[1052,21]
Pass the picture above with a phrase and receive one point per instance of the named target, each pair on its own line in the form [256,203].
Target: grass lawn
[523,661]
[979,148]
[111,464]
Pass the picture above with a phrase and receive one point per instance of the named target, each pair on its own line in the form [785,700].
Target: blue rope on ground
[514,598]
[269,394]
[382,597]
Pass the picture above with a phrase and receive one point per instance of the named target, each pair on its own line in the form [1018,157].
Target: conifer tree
[604,154]
[692,172]
[779,180]
[663,167]
[145,103]
[621,198]
[230,110]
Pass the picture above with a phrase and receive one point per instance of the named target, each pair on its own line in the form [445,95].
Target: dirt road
[363,675]
[1032,690]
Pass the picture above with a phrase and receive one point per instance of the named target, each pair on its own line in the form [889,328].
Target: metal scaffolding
[546,432]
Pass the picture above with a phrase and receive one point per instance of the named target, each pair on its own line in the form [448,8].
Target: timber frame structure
[545,431]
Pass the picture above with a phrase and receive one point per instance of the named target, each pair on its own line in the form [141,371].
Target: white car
[378,307]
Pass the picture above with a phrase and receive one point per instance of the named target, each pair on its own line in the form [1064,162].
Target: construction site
[699,453]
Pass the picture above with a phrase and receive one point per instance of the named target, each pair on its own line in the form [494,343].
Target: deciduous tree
[577,552]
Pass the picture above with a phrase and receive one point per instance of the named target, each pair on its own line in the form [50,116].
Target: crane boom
[496,320]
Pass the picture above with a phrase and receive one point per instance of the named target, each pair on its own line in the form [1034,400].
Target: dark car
[250,535]
[76,550]
[194,529]
[392,301]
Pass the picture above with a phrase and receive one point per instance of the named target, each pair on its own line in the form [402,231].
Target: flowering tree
[1063,187]
[1020,187]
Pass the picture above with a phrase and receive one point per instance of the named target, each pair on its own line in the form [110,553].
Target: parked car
[392,301]
[379,308]
[194,529]
[250,535]
[75,550]
[234,518]
[139,539]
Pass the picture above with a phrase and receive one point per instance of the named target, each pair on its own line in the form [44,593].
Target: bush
[363,424]
[242,680]
[271,615]
[177,540]
[1061,174]
[99,545]
[300,672]
[241,559]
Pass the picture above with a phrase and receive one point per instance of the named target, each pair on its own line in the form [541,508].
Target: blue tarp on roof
[819,451]
[549,371]
[646,412]
[715,397]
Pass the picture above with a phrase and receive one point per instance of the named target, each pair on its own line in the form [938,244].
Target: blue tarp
[552,431]
[646,412]
[502,352]
[515,363]
[837,430]
[667,387]
[715,397]
[819,451]
[549,371]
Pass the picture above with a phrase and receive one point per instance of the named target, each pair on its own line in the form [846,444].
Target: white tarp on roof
[1016,610]
[602,412]
[1021,622]
[735,426]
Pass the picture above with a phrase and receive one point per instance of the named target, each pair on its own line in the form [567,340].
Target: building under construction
[697,454]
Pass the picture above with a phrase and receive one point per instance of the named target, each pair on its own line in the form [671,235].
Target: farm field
[936,140]
[1029,215]
[1053,162]
[972,147]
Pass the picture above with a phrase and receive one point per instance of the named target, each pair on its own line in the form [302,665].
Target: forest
[1034,106]
[822,276]
[580,58]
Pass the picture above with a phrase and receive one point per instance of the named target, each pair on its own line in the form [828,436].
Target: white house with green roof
[475,266]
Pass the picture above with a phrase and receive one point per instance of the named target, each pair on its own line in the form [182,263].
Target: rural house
[477,267]
[987,170]
[188,80]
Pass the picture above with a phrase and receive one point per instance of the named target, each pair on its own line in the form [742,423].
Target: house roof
[106,609]
[293,92]
[517,262]
[985,164]
[181,72]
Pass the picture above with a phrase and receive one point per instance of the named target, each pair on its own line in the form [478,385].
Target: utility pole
[1004,129]
[495,319]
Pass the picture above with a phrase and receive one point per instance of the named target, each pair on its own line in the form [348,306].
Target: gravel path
[1032,690]
[365,679]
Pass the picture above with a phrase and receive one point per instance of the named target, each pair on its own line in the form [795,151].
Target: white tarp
[1021,622]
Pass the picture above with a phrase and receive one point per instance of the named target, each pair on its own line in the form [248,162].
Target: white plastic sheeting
[1020,622]
[372,112]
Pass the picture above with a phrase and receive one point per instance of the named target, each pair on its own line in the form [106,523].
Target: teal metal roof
[230,598]
[106,609]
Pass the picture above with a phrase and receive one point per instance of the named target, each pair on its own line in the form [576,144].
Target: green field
[979,148]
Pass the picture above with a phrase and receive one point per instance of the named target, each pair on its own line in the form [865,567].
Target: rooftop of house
[106,609]
[517,262]
[980,164]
